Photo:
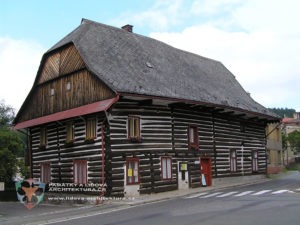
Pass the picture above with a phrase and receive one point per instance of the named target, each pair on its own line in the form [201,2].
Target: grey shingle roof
[132,63]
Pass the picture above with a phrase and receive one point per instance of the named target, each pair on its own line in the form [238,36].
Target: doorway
[206,170]
[183,176]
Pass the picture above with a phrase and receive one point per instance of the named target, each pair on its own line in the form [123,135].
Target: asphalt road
[270,203]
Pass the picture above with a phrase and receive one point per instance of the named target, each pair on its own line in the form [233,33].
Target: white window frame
[45,172]
[233,160]
[132,171]
[166,167]
[134,127]
[255,161]
[80,172]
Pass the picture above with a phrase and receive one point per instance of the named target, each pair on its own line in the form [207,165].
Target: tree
[8,165]
[283,112]
[7,114]
[294,139]
[11,141]
[11,144]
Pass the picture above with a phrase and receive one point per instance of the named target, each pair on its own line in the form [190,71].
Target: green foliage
[284,140]
[283,112]
[12,141]
[8,165]
[23,170]
[11,144]
[293,166]
[7,114]
[294,140]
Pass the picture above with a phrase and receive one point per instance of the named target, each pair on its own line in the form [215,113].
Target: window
[45,172]
[166,168]
[52,92]
[70,132]
[80,171]
[193,138]
[132,171]
[243,127]
[43,136]
[91,128]
[68,86]
[254,161]
[233,160]
[134,130]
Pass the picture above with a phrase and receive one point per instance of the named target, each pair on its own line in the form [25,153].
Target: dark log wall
[218,134]
[164,132]
[184,117]
[156,133]
[57,151]
[230,136]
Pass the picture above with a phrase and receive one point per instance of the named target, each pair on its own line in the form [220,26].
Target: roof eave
[267,117]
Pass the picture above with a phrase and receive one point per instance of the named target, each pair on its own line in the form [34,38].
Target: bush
[293,166]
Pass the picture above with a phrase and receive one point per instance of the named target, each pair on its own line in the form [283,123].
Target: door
[132,177]
[183,175]
[206,171]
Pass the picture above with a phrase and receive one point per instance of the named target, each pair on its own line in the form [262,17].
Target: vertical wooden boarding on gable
[60,63]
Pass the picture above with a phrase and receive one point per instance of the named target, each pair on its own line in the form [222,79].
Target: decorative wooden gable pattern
[63,83]
[63,62]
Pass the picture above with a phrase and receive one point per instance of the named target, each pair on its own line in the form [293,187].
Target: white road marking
[244,193]
[211,195]
[261,192]
[236,193]
[226,194]
[196,195]
[279,192]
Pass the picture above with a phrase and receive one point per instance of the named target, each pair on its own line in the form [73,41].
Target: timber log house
[111,106]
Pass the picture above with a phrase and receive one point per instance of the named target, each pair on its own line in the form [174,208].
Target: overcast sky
[257,40]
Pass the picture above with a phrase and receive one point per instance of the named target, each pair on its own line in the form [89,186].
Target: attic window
[68,86]
[52,91]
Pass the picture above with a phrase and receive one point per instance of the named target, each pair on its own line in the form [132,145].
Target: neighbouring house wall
[274,148]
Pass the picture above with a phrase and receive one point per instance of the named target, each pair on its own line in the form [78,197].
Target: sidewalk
[16,213]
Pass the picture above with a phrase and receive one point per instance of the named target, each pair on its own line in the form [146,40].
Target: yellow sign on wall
[129,173]
[183,167]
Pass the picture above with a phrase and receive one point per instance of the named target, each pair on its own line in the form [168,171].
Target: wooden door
[205,163]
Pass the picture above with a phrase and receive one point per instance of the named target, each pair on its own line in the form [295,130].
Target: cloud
[19,62]
[209,7]
[259,43]
[162,15]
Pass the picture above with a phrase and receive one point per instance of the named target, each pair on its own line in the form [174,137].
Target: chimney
[128,28]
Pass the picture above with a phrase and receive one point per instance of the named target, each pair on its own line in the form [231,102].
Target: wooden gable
[63,83]
[60,63]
